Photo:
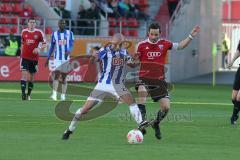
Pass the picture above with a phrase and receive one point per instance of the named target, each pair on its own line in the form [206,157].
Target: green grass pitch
[197,127]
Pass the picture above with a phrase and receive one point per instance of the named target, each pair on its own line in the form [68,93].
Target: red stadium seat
[4,29]
[4,19]
[14,20]
[1,7]
[18,1]
[143,2]
[125,32]
[132,22]
[124,22]
[17,8]
[7,7]
[28,7]
[48,30]
[133,33]
[14,29]
[111,31]
[112,22]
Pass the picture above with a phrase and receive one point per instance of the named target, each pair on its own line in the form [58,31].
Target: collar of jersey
[152,42]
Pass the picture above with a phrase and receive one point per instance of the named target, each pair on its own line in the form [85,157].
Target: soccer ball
[135,137]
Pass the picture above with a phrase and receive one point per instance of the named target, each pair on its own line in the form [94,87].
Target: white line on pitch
[149,102]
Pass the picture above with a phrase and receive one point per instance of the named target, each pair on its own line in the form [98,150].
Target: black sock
[236,109]
[30,87]
[23,86]
[142,109]
[161,115]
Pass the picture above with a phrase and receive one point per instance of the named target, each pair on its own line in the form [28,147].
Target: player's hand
[67,53]
[135,56]
[36,50]
[195,31]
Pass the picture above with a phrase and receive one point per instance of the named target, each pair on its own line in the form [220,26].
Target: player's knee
[237,103]
[238,97]
[31,78]
[142,94]
[56,76]
[165,107]
[24,78]
[84,110]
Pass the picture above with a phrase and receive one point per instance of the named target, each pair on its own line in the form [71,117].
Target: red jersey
[153,58]
[30,41]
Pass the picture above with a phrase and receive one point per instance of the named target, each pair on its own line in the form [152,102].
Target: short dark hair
[31,18]
[96,48]
[154,25]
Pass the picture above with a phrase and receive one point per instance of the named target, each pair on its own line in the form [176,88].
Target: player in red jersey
[152,54]
[32,43]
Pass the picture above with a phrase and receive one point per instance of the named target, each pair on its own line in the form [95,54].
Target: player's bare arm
[93,56]
[184,43]
[40,47]
[236,56]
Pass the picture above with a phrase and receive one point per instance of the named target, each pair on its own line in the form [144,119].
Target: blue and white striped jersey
[114,63]
[62,42]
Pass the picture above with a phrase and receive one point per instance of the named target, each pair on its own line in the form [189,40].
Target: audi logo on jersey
[152,55]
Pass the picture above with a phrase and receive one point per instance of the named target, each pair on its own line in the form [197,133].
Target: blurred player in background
[152,54]
[62,41]
[32,42]
[111,83]
[236,88]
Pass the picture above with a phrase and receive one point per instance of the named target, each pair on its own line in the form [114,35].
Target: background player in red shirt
[32,43]
[152,54]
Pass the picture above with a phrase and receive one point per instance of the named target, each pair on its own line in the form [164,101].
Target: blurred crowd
[85,24]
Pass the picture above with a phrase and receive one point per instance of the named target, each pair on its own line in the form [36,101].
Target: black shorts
[29,65]
[157,89]
[236,84]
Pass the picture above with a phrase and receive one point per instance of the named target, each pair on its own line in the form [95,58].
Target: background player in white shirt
[62,41]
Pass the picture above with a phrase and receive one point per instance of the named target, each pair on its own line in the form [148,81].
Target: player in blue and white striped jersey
[62,45]
[114,64]
[114,59]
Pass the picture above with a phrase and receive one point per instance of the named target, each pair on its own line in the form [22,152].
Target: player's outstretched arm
[184,43]
[236,55]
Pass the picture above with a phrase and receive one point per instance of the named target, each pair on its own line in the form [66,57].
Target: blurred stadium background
[198,125]
[94,21]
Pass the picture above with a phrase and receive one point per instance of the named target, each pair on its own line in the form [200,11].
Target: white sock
[64,88]
[135,112]
[75,120]
[55,85]
[54,93]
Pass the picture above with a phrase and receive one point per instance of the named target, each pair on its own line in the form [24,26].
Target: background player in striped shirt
[32,42]
[152,54]
[111,83]
[62,41]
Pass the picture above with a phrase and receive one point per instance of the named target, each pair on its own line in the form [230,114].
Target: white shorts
[62,66]
[112,90]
